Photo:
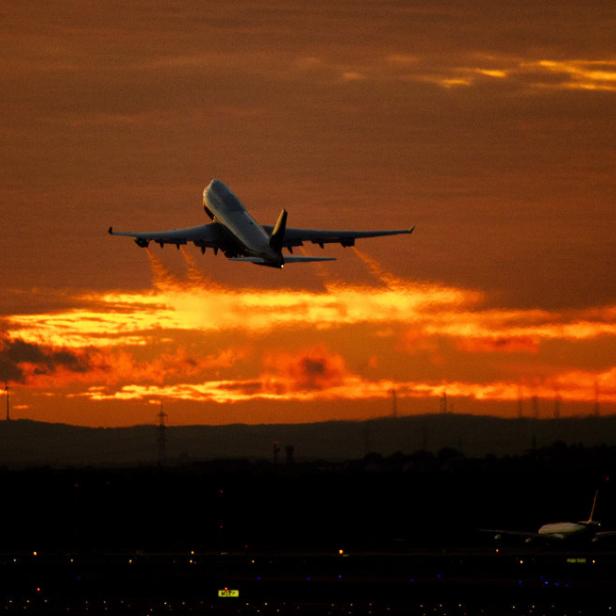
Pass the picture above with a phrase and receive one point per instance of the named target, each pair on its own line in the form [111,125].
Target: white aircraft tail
[594,507]
[280,228]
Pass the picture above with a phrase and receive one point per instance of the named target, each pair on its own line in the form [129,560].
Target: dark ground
[144,539]
[27,443]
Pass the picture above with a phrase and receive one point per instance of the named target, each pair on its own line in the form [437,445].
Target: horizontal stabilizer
[307,259]
[261,261]
[255,260]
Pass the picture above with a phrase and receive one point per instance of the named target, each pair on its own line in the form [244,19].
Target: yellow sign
[228,592]
[576,561]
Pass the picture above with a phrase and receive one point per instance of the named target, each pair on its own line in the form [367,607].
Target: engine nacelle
[142,243]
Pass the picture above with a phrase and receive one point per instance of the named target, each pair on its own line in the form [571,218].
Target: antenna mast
[394,403]
[162,436]
[8,405]
[520,403]
[597,407]
[557,404]
[444,404]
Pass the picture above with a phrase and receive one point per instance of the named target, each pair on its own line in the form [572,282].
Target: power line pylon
[394,403]
[444,407]
[8,405]
[162,436]
[597,405]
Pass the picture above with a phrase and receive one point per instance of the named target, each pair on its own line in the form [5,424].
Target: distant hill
[30,443]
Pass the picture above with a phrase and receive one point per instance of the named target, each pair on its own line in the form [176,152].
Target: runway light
[35,553]
[341,551]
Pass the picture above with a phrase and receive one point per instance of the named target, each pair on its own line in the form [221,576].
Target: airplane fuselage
[238,235]
[224,207]
[563,530]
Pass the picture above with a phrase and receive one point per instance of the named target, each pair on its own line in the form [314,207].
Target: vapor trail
[162,277]
[375,268]
[195,275]
[320,269]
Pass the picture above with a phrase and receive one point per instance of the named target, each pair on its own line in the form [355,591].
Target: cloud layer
[194,340]
[489,126]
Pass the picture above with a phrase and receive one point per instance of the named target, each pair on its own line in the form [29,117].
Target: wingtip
[110,230]
[412,229]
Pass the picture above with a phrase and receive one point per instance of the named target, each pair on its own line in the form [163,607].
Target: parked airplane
[584,529]
[234,231]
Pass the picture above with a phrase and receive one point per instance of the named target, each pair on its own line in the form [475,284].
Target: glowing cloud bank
[191,339]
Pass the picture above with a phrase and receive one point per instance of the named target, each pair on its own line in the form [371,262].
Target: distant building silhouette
[275,452]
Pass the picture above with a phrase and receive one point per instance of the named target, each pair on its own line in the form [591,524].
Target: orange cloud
[313,370]
[498,344]
[144,345]
[575,386]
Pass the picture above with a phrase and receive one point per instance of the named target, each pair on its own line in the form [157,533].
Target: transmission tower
[557,404]
[535,404]
[443,404]
[520,404]
[597,405]
[8,404]
[162,436]
[394,403]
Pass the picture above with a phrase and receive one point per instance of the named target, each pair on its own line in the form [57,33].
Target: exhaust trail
[382,275]
[321,271]
[162,277]
[195,276]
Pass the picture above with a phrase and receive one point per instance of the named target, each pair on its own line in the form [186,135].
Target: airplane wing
[297,237]
[203,236]
[497,532]
[602,534]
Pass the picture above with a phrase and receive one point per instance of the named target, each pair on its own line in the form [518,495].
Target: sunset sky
[489,126]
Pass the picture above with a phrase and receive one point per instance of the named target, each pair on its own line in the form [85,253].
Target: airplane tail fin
[277,237]
[594,507]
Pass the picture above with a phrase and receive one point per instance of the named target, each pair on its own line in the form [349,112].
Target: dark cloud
[18,359]
[244,387]
[312,370]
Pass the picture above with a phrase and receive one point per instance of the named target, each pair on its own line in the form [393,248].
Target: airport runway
[465,581]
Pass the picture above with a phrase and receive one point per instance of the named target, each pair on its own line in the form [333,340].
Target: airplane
[235,232]
[559,531]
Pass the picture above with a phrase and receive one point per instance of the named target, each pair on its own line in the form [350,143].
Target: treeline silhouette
[399,501]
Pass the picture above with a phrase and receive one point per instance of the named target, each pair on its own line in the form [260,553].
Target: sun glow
[192,339]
